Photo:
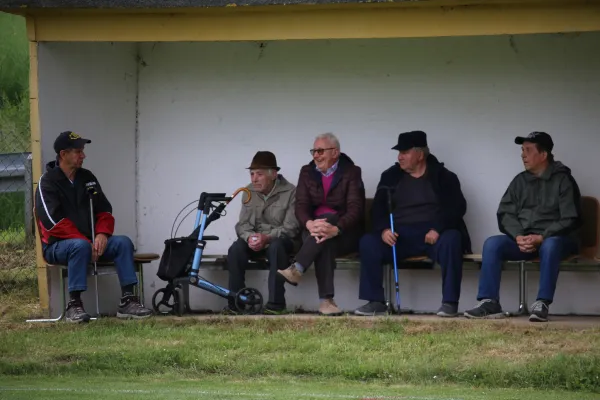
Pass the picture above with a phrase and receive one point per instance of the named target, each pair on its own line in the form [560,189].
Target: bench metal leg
[63,305]
[523,309]
[140,286]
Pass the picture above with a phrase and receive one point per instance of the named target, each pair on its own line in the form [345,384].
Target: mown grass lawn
[268,357]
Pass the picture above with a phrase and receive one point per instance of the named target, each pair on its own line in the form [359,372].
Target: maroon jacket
[346,195]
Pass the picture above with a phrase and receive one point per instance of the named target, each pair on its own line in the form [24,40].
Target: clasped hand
[321,230]
[529,243]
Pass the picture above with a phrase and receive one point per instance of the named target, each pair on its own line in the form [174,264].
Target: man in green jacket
[539,214]
[267,226]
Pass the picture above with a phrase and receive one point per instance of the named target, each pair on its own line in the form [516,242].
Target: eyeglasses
[319,151]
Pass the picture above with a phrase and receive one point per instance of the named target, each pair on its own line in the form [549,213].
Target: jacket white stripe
[43,202]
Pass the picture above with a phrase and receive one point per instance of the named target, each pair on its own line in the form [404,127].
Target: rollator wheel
[249,301]
[168,300]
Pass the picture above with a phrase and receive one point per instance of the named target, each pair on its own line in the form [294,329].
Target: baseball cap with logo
[69,140]
[541,138]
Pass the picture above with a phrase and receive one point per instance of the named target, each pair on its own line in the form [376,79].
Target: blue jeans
[497,249]
[447,251]
[76,254]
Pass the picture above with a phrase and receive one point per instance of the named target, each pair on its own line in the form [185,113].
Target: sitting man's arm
[380,216]
[454,207]
[569,207]
[50,214]
[244,228]
[508,221]
[290,227]
[355,201]
[302,208]
[105,221]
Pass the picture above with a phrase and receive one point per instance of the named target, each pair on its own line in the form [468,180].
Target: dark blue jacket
[447,189]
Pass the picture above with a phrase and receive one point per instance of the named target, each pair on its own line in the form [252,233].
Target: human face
[262,180]
[72,158]
[324,154]
[410,159]
[533,160]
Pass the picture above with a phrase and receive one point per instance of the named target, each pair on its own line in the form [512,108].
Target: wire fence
[18,274]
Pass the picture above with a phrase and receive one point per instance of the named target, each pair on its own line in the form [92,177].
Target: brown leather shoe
[329,308]
[291,275]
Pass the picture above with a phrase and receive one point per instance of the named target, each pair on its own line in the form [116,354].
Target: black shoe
[486,309]
[539,311]
[448,310]
[372,308]
[130,307]
[275,309]
[75,312]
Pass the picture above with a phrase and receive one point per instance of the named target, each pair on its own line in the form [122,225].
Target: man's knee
[451,238]
[82,247]
[278,244]
[123,243]
[551,247]
[370,244]
[493,246]
[237,248]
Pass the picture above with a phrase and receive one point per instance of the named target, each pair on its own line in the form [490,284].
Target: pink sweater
[323,209]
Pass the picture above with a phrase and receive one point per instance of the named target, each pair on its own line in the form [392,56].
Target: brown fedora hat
[264,160]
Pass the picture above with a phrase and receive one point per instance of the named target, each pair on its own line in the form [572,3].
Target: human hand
[389,237]
[258,241]
[432,237]
[99,247]
[324,230]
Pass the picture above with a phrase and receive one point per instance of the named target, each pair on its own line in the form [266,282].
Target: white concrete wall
[91,89]
[206,108]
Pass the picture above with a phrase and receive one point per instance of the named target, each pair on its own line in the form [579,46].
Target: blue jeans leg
[497,249]
[76,255]
[551,252]
[120,250]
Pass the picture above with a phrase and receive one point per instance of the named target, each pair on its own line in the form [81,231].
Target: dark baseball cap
[409,140]
[69,140]
[541,138]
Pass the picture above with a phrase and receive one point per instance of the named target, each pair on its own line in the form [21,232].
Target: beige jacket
[274,217]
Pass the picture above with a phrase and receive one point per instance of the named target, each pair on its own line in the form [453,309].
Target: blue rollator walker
[176,269]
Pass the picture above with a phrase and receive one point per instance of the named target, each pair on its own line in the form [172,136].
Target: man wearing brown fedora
[267,227]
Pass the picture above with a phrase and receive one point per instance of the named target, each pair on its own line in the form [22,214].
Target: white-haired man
[267,226]
[330,202]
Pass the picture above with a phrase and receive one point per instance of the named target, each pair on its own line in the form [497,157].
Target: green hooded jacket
[547,205]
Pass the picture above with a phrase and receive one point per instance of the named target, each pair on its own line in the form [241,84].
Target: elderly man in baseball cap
[538,215]
[267,227]
[63,213]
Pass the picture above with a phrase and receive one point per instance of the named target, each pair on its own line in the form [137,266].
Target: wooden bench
[586,261]
[102,268]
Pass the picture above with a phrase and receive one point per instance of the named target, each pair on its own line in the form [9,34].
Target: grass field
[293,357]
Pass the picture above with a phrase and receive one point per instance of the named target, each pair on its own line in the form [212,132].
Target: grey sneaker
[75,312]
[130,307]
[448,310]
[486,308]
[372,308]
[539,311]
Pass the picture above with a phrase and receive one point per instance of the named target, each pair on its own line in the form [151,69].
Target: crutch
[391,211]
[91,189]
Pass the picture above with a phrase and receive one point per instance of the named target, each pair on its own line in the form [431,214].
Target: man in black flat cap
[539,215]
[428,209]
[267,226]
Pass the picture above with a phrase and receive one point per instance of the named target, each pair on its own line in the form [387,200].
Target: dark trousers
[278,253]
[497,249]
[374,253]
[323,256]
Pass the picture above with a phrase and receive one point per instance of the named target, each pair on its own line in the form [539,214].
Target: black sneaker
[539,311]
[372,308]
[130,307]
[448,310]
[75,312]
[486,308]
